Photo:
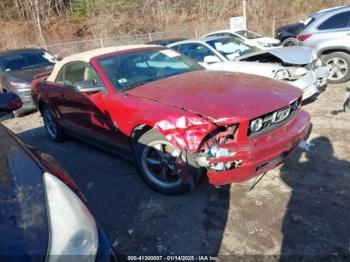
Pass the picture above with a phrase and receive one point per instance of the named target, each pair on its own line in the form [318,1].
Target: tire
[339,63]
[53,130]
[155,158]
[290,41]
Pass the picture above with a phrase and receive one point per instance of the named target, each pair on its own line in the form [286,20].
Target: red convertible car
[173,118]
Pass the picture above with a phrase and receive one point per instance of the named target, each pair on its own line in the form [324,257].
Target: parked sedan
[294,65]
[17,69]
[157,107]
[287,34]
[43,213]
[248,37]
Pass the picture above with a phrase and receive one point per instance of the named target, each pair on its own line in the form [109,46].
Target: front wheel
[54,131]
[163,167]
[339,67]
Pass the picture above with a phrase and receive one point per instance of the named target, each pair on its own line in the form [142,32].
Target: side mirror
[210,59]
[9,102]
[87,86]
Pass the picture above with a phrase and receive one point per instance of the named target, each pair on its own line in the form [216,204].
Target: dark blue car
[42,212]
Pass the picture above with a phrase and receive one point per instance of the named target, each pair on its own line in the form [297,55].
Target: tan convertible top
[86,57]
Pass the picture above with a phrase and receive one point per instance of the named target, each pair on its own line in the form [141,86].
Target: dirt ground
[300,208]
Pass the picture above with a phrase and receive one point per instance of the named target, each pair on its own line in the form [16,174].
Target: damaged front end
[237,149]
[214,152]
[211,141]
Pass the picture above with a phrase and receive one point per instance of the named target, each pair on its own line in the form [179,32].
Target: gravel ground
[300,208]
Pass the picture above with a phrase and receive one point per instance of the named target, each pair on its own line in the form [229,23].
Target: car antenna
[256,181]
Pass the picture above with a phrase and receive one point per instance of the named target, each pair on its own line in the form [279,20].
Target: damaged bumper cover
[308,83]
[255,156]
[312,82]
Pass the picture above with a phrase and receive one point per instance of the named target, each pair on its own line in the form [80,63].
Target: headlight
[72,228]
[295,72]
[256,125]
[20,84]
[282,74]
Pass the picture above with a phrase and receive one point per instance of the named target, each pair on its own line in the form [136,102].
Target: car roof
[18,51]
[223,31]
[174,39]
[201,40]
[330,11]
[88,55]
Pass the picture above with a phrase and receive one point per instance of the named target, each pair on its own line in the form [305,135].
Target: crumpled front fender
[185,132]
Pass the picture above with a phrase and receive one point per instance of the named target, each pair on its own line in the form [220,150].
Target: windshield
[25,60]
[248,35]
[231,47]
[129,70]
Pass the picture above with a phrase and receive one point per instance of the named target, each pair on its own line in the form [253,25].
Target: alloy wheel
[338,68]
[158,161]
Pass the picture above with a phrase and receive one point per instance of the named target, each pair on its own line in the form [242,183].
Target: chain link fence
[67,48]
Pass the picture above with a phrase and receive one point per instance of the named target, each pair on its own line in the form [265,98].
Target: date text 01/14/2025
[172,258]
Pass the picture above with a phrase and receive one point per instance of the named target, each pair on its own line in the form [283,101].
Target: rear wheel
[164,167]
[339,66]
[290,41]
[54,131]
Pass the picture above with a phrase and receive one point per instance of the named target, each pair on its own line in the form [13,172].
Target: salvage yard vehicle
[329,35]
[294,65]
[176,119]
[43,213]
[287,34]
[17,68]
[248,37]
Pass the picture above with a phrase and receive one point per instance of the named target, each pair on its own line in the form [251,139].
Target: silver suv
[328,32]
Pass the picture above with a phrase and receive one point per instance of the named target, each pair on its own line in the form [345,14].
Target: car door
[335,29]
[85,113]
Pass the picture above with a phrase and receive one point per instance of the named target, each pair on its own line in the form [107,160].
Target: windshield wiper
[138,84]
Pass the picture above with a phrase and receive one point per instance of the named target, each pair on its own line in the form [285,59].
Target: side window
[195,51]
[74,72]
[90,74]
[77,71]
[335,22]
[60,77]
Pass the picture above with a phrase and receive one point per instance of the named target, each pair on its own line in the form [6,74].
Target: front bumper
[322,74]
[308,83]
[263,153]
[26,97]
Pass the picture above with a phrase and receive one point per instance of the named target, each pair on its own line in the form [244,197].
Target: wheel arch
[327,51]
[138,131]
[41,103]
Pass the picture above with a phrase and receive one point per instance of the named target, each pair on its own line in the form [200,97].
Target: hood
[25,75]
[218,95]
[269,40]
[294,55]
[261,69]
[24,226]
